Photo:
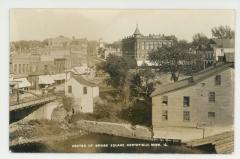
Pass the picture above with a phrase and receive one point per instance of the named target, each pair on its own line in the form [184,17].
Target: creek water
[95,143]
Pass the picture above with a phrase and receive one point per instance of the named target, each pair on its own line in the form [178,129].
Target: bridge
[223,142]
[19,110]
[32,103]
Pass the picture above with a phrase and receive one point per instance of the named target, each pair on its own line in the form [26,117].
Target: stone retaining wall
[116,129]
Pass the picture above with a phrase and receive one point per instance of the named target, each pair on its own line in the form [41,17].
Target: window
[19,68]
[211,115]
[84,90]
[164,115]
[211,97]
[27,68]
[186,101]
[15,68]
[165,100]
[218,80]
[69,89]
[30,68]
[23,68]
[186,116]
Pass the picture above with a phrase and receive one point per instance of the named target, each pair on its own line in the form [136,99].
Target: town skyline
[95,24]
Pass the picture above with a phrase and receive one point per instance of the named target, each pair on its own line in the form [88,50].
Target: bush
[101,111]
[68,103]
[139,113]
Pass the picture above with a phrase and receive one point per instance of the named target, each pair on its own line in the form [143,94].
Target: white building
[224,48]
[83,93]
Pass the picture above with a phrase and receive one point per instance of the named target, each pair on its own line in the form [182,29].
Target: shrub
[68,103]
[139,113]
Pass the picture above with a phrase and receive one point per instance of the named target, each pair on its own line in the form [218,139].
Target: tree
[135,85]
[199,39]
[139,113]
[26,45]
[223,32]
[118,68]
[171,58]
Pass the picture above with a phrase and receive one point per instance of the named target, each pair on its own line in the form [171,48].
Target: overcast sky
[112,25]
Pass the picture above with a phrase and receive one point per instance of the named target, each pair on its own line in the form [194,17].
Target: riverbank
[45,131]
[52,136]
[115,129]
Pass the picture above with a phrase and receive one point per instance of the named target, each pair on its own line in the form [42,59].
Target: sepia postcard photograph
[121,81]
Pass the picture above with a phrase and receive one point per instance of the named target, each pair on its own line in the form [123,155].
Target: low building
[59,78]
[83,93]
[206,98]
[111,51]
[20,83]
[223,48]
[206,54]
[45,81]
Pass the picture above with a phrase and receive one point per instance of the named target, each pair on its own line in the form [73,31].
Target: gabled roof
[196,78]
[81,80]
[224,43]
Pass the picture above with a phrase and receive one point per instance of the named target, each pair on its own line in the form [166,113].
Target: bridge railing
[32,103]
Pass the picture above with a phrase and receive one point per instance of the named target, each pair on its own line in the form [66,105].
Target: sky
[114,24]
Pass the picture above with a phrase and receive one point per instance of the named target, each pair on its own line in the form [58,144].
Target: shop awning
[59,77]
[45,79]
[21,83]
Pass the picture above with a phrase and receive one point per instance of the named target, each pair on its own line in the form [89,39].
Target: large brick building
[207,99]
[138,46]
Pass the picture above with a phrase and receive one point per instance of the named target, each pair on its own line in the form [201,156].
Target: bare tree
[223,32]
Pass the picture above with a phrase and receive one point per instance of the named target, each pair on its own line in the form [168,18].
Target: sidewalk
[188,133]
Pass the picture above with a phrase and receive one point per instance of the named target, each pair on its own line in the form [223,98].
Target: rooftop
[224,43]
[196,78]
[81,80]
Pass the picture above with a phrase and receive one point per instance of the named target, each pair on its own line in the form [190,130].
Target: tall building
[78,51]
[138,46]
[92,51]
[59,42]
